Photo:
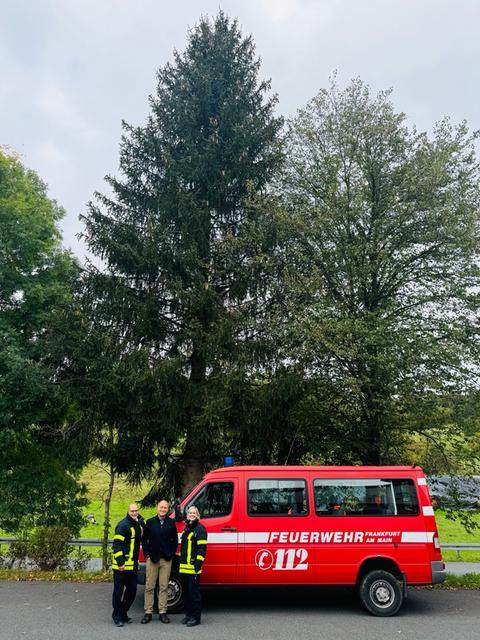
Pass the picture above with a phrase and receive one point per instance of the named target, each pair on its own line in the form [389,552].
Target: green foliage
[449,443]
[36,278]
[36,489]
[467,581]
[49,547]
[384,270]
[18,553]
[466,518]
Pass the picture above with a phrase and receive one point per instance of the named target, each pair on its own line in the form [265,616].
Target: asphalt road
[65,611]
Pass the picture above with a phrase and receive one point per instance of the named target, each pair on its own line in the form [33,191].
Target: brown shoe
[146,618]
[164,618]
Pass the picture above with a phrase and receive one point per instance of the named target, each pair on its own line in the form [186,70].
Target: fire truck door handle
[229,528]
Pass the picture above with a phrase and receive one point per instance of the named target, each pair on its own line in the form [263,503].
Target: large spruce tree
[184,248]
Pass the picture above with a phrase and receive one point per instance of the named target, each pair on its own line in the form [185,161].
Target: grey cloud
[71,71]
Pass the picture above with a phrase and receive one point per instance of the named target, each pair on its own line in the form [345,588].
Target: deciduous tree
[36,277]
[385,270]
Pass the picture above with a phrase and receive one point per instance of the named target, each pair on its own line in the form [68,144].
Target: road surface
[66,611]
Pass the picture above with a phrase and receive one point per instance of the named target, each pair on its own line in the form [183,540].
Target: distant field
[96,480]
[454,532]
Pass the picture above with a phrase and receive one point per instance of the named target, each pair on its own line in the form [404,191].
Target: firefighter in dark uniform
[126,547]
[192,556]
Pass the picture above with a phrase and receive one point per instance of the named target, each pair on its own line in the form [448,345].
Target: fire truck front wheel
[176,593]
[381,593]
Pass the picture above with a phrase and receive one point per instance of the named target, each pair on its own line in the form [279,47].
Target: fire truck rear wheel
[381,593]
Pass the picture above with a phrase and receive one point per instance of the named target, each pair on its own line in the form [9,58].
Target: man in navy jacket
[159,543]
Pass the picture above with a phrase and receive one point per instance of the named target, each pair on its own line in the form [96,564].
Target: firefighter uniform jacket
[126,544]
[193,548]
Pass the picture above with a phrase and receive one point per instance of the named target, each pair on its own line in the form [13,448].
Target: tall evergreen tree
[185,248]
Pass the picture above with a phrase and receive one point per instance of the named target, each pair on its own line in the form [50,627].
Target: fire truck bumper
[438,571]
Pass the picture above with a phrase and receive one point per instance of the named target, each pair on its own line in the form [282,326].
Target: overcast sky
[71,70]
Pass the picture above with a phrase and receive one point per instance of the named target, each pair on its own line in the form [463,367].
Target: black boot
[192,622]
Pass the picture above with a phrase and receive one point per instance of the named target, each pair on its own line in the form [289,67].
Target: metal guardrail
[461,546]
[97,542]
[92,542]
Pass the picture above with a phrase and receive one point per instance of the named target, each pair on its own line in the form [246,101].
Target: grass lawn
[452,531]
[96,479]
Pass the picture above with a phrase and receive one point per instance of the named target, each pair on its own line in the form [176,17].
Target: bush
[79,560]
[49,547]
[3,560]
[18,552]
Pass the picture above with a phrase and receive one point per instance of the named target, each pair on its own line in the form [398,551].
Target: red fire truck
[371,527]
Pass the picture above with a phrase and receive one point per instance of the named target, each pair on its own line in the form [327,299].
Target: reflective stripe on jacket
[193,548]
[126,544]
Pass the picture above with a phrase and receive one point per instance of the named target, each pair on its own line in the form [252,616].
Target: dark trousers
[124,592]
[193,604]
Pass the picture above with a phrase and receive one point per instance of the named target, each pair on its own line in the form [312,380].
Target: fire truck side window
[275,497]
[365,497]
[213,500]
[406,497]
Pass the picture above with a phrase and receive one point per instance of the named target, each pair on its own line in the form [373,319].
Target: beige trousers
[160,570]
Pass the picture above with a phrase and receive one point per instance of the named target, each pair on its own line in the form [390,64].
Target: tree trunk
[375,400]
[374,423]
[373,452]
[106,521]
[193,457]
[192,472]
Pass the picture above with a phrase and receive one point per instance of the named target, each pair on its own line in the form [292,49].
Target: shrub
[79,560]
[18,553]
[49,547]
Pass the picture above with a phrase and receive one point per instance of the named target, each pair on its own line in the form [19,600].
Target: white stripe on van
[427,511]
[235,538]
[222,538]
[252,537]
[421,482]
[257,536]
[417,536]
